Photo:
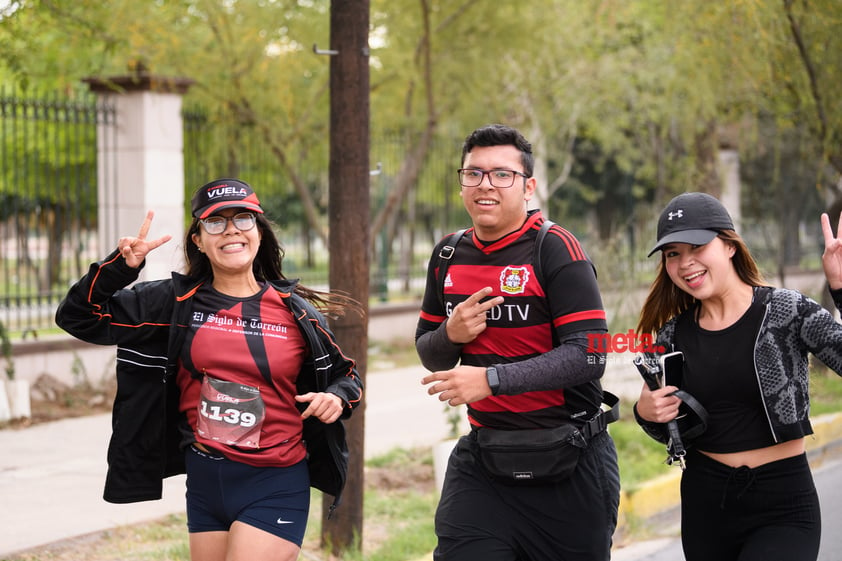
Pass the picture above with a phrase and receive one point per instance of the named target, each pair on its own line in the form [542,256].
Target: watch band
[493,379]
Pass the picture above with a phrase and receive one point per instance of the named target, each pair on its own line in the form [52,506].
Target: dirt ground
[52,399]
[166,539]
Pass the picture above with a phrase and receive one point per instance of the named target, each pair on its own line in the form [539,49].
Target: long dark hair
[665,300]
[267,266]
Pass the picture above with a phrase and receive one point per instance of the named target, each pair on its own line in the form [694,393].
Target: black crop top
[719,372]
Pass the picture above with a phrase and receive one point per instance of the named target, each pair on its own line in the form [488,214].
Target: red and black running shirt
[233,347]
[522,327]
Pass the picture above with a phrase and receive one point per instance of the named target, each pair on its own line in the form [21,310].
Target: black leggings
[743,514]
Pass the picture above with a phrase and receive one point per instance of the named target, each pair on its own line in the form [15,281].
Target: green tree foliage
[649,89]
[254,69]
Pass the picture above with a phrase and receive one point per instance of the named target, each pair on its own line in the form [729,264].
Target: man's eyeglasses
[500,178]
[243,221]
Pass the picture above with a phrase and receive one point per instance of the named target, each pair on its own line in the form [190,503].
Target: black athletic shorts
[220,491]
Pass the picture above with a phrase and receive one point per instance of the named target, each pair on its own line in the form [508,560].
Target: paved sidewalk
[52,474]
[51,481]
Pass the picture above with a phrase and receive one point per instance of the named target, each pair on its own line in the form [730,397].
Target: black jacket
[148,323]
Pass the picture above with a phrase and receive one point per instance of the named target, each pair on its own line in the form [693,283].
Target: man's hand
[135,250]
[460,385]
[468,318]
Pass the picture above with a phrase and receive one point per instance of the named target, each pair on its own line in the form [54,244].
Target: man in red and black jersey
[510,340]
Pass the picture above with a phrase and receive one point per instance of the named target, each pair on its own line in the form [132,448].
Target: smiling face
[496,211]
[703,271]
[232,252]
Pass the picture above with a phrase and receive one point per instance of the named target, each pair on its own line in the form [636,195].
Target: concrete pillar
[729,171]
[141,164]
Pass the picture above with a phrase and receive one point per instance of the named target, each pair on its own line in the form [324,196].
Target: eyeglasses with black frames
[243,221]
[500,178]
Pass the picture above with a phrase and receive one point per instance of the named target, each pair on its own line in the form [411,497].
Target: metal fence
[50,180]
[48,189]
[49,184]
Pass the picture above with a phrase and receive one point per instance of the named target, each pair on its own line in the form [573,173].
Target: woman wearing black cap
[228,372]
[747,492]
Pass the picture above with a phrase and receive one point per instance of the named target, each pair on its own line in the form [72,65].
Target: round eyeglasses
[243,221]
[500,178]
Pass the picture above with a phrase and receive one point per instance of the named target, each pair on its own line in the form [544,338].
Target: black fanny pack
[537,456]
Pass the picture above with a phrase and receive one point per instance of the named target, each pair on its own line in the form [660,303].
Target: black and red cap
[224,193]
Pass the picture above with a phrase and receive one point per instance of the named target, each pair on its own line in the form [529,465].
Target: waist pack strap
[603,418]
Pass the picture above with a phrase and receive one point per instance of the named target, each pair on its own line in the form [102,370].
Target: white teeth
[486,202]
[232,245]
[693,276]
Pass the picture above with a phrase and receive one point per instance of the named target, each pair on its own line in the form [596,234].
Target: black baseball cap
[224,193]
[694,218]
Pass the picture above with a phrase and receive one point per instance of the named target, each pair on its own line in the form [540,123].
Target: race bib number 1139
[230,413]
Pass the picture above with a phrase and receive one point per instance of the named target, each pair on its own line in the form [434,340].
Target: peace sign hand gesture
[832,256]
[468,318]
[135,250]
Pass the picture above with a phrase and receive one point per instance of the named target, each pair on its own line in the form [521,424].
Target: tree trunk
[349,236]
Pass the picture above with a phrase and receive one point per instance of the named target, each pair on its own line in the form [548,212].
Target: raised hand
[135,250]
[468,318]
[832,256]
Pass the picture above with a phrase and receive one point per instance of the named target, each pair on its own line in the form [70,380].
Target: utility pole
[349,242]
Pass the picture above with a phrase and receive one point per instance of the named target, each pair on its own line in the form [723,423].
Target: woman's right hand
[658,406]
[135,250]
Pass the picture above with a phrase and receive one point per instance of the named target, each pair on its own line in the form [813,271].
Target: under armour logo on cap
[694,218]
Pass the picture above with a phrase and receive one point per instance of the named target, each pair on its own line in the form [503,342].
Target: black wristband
[493,379]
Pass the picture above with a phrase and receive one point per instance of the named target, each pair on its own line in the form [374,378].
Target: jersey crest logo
[513,280]
[448,282]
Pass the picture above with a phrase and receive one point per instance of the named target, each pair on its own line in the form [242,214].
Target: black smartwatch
[493,379]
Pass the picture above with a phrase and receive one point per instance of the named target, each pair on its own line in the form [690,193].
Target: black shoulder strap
[445,255]
[603,417]
[698,409]
[449,248]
